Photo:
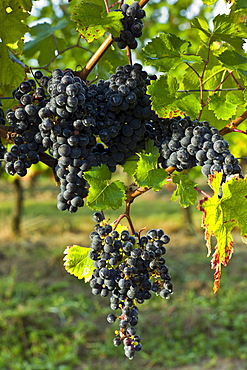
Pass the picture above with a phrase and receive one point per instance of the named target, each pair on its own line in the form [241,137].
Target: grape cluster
[24,121]
[63,132]
[82,126]
[132,25]
[2,147]
[120,114]
[128,268]
[192,143]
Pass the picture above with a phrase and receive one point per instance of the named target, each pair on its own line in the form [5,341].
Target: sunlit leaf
[78,263]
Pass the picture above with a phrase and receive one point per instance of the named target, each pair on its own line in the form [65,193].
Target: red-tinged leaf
[220,216]
[92,20]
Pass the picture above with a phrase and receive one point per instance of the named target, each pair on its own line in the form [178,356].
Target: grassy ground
[50,320]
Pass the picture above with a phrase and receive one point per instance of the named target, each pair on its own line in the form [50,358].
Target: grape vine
[152,125]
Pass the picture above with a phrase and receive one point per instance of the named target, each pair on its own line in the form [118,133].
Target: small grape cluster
[24,121]
[132,24]
[2,147]
[128,268]
[192,143]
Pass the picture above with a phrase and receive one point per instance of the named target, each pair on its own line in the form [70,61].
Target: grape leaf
[209,2]
[189,104]
[161,97]
[220,216]
[201,25]
[185,190]
[224,107]
[44,42]
[92,20]
[233,60]
[164,100]
[147,174]
[150,147]
[12,27]
[167,51]
[11,73]
[78,263]
[130,165]
[240,4]
[224,30]
[103,194]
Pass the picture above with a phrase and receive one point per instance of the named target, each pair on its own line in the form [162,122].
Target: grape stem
[131,194]
[237,130]
[116,222]
[232,125]
[229,89]
[107,6]
[202,192]
[128,53]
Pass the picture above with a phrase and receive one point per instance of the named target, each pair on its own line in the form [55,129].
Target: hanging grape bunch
[132,25]
[128,268]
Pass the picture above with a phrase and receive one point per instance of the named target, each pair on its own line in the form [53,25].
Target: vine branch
[214,90]
[232,125]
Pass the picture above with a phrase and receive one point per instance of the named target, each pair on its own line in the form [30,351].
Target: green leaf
[209,2]
[224,107]
[44,43]
[151,148]
[12,27]
[165,102]
[167,51]
[130,165]
[162,97]
[185,190]
[233,60]
[240,4]
[220,216]
[189,104]
[201,25]
[147,174]
[226,30]
[102,194]
[11,73]
[92,20]
[78,263]
[26,4]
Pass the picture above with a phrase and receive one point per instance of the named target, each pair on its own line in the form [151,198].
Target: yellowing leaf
[12,28]
[220,216]
[78,263]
